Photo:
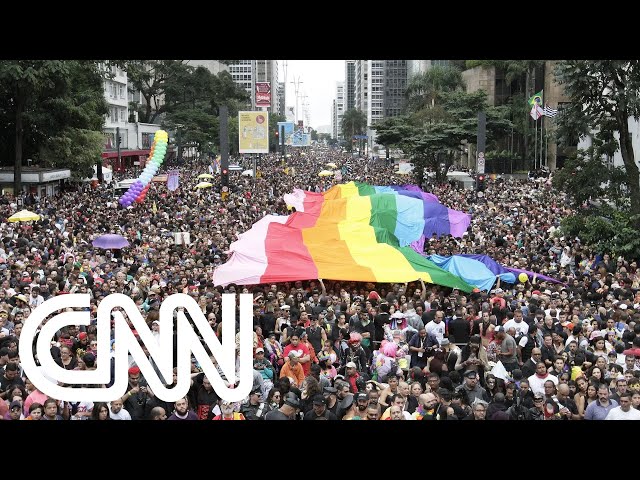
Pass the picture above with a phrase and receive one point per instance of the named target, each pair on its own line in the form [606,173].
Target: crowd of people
[327,349]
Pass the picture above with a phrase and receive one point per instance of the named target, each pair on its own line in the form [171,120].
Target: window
[121,91]
[123,112]
[114,115]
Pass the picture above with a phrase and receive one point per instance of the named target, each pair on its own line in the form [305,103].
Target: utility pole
[118,146]
[296,84]
[179,140]
[224,150]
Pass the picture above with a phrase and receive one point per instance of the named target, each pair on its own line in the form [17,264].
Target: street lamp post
[179,140]
[296,83]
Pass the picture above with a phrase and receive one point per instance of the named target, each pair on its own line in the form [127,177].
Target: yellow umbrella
[332,165]
[24,216]
[325,173]
[205,175]
[204,185]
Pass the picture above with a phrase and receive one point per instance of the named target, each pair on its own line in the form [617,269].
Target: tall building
[387,84]
[350,84]
[242,73]
[395,85]
[267,71]
[116,95]
[281,98]
[420,66]
[338,111]
[361,85]
[375,109]
[135,137]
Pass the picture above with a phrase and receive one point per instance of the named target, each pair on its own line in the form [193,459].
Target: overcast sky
[318,81]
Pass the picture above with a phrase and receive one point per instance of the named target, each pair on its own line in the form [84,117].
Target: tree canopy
[52,111]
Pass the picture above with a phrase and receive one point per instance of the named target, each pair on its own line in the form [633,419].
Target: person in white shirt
[518,323]
[625,411]
[436,327]
[116,412]
[536,381]
[35,299]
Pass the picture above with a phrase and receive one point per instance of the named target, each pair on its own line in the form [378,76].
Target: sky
[318,81]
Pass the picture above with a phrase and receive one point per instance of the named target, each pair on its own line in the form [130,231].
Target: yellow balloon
[523,277]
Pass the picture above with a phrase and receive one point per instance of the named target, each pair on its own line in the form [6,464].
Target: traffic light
[480,182]
[225,177]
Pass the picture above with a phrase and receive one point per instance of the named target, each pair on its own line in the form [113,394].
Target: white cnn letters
[46,376]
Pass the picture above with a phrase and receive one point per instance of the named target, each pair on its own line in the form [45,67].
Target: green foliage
[424,89]
[588,177]
[433,135]
[74,148]
[46,106]
[354,122]
[606,230]
[193,97]
[152,78]
[604,95]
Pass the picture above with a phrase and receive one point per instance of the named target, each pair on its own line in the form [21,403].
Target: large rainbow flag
[341,234]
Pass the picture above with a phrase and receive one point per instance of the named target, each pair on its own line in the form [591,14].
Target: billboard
[301,139]
[263,94]
[253,132]
[286,129]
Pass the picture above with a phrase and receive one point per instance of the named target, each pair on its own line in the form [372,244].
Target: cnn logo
[48,373]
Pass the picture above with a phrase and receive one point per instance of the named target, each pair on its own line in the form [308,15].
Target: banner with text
[263,94]
[253,132]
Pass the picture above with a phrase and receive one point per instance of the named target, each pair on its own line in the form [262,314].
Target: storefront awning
[125,153]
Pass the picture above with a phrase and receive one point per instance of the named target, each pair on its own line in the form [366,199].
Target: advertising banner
[286,129]
[253,132]
[263,94]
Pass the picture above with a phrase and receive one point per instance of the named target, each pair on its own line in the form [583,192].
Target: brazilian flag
[536,99]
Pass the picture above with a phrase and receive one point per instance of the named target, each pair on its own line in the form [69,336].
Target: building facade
[338,111]
[361,92]
[135,138]
[350,84]
[281,98]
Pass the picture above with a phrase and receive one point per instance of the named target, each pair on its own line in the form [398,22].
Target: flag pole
[535,147]
[541,132]
[546,145]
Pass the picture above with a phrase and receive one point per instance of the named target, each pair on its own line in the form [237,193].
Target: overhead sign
[263,94]
[253,132]
[286,129]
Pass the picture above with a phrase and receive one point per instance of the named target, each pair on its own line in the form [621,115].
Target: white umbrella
[248,173]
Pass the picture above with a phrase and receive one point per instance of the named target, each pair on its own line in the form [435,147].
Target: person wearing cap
[292,369]
[319,410]
[15,411]
[304,356]
[255,408]
[264,366]
[288,409]
[227,411]
[471,387]
[81,342]
[135,398]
